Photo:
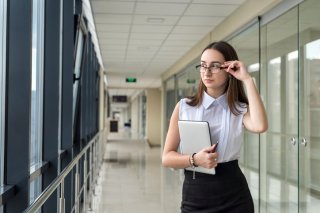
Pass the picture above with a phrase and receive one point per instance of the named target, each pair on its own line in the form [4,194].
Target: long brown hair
[234,87]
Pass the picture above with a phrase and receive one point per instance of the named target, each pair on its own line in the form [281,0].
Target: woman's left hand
[237,69]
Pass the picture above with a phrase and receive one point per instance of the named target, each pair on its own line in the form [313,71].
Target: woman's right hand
[206,157]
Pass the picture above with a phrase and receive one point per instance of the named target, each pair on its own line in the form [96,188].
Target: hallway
[133,180]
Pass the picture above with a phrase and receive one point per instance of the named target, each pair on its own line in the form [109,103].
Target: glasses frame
[212,69]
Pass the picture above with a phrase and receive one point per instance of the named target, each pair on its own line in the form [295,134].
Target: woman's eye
[216,65]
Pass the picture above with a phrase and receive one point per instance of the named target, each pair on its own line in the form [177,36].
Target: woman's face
[215,82]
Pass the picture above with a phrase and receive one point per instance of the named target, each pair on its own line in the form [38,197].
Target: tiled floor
[133,180]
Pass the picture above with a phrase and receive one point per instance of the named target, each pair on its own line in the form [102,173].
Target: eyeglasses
[214,68]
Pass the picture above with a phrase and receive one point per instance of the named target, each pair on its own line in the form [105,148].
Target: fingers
[212,160]
[209,149]
[231,66]
[237,69]
[215,146]
[212,148]
[206,158]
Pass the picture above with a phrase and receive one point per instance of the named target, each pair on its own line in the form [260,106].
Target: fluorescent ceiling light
[155,20]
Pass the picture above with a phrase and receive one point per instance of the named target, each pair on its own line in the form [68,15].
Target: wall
[134,116]
[153,117]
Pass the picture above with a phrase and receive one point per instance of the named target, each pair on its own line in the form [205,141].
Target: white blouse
[225,127]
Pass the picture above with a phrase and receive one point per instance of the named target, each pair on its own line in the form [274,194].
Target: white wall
[134,116]
[153,117]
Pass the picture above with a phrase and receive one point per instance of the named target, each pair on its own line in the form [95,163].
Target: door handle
[293,141]
[304,142]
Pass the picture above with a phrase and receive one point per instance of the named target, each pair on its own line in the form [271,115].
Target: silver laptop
[194,136]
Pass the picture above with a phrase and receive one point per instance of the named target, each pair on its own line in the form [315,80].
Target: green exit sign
[191,81]
[131,80]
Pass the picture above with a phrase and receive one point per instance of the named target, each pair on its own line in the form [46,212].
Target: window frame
[3,25]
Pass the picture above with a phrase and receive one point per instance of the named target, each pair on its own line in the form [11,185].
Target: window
[77,69]
[3,17]
[170,97]
[36,94]
[3,20]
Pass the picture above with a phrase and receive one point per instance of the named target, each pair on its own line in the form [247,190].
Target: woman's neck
[215,93]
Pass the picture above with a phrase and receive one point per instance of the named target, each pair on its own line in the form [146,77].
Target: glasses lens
[215,67]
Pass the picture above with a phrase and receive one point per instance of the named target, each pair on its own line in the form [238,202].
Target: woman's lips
[208,80]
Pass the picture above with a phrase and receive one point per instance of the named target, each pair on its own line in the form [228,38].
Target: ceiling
[144,38]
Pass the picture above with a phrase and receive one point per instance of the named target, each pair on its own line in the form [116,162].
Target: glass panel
[170,100]
[279,151]
[77,69]
[3,18]
[142,114]
[34,187]
[187,82]
[247,46]
[36,92]
[309,107]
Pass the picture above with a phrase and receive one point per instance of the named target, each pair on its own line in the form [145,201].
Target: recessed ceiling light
[155,20]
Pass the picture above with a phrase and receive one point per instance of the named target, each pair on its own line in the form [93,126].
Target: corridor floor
[133,180]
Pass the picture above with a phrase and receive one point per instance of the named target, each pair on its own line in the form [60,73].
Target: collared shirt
[225,127]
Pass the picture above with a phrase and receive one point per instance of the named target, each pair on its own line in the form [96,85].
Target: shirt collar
[208,100]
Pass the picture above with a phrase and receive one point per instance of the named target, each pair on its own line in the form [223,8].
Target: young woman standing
[221,100]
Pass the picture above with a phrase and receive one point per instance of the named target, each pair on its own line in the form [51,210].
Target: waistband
[222,170]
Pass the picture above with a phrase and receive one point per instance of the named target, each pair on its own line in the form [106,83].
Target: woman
[222,101]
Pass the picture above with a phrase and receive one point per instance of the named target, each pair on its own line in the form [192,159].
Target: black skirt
[226,191]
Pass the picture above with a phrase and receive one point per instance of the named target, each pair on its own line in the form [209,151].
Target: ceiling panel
[115,28]
[111,35]
[191,30]
[218,1]
[166,1]
[144,38]
[208,21]
[112,18]
[145,42]
[160,8]
[112,41]
[177,43]
[155,19]
[113,7]
[116,47]
[210,10]
[151,29]
[186,37]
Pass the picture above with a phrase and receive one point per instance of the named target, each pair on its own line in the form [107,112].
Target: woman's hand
[206,158]
[237,69]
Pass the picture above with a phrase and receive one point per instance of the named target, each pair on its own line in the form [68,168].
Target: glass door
[279,160]
[247,45]
[309,107]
